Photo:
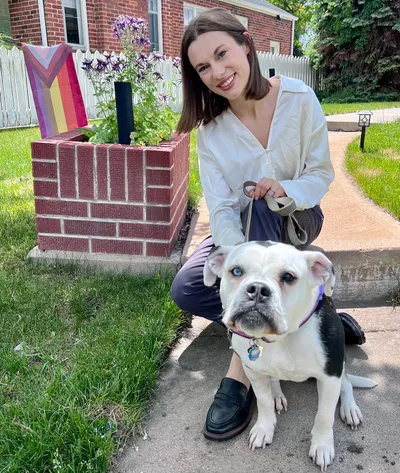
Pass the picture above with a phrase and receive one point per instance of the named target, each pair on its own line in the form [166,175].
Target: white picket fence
[17,107]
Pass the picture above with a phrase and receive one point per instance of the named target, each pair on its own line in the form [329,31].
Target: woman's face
[221,63]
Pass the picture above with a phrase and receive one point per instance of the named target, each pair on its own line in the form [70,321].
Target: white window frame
[275,47]
[159,26]
[82,23]
[244,20]
[198,9]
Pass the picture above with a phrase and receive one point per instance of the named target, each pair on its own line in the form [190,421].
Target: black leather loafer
[231,411]
[354,334]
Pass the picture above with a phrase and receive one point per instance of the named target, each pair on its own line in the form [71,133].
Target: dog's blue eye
[287,277]
[236,271]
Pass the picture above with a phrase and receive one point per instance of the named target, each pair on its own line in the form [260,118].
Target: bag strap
[284,206]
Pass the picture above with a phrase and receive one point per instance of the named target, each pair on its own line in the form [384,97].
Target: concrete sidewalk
[364,243]
[173,440]
[349,121]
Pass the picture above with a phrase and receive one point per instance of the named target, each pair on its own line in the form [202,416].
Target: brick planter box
[112,199]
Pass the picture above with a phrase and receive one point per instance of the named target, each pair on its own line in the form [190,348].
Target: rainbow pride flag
[55,88]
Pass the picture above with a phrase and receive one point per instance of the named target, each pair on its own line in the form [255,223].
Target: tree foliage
[358,42]
[303,11]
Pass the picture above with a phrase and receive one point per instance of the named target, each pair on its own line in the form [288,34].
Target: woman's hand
[267,186]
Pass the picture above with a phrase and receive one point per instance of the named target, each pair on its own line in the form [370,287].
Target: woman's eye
[287,277]
[236,271]
[222,54]
[202,69]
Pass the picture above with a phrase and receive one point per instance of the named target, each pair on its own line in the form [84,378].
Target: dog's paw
[261,435]
[351,414]
[280,402]
[322,452]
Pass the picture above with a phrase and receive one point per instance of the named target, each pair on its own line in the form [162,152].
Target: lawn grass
[336,108]
[79,352]
[377,170]
[195,190]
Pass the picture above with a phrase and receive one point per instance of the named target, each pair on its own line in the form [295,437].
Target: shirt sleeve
[313,183]
[222,203]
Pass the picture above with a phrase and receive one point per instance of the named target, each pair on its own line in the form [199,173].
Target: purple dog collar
[319,298]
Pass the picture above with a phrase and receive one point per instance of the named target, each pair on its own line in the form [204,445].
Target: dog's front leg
[278,396]
[262,432]
[322,449]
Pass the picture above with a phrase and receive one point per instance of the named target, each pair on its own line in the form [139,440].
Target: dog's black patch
[332,336]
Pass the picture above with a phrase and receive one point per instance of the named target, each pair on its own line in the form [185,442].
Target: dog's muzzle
[255,309]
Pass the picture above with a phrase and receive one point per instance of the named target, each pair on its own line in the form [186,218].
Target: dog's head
[267,288]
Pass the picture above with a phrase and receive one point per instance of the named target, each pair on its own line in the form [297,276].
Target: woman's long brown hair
[200,105]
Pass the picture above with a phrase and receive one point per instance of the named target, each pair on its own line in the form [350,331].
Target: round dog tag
[254,352]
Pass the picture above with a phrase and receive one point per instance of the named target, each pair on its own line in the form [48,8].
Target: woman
[272,132]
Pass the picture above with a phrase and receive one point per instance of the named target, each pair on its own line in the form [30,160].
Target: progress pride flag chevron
[55,88]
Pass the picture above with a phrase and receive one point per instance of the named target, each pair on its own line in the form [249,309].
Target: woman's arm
[223,205]
[318,173]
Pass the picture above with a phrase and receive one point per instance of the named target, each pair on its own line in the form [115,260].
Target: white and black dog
[284,327]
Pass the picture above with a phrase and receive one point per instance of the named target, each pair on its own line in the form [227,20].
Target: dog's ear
[214,264]
[322,270]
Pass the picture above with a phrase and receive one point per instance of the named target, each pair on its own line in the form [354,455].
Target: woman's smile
[227,84]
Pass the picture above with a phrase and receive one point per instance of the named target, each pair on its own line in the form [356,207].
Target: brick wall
[109,198]
[262,27]
[25,24]
[24,15]
[54,22]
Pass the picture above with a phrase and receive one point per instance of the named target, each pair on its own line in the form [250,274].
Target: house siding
[24,15]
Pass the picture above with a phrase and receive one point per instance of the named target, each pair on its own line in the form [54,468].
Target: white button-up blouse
[297,156]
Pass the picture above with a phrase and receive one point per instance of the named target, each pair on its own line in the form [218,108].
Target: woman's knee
[265,224]
[191,295]
[178,292]
[260,207]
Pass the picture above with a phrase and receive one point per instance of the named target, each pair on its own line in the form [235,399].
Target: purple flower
[131,30]
[157,57]
[101,65]
[87,64]
[142,61]
[164,98]
[176,62]
[117,64]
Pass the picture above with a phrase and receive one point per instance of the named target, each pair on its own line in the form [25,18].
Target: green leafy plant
[154,119]
[6,40]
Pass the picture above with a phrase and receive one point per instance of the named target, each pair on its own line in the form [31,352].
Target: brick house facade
[87,23]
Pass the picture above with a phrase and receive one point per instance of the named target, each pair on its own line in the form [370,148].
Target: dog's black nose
[258,291]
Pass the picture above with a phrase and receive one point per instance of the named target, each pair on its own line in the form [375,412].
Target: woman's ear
[248,35]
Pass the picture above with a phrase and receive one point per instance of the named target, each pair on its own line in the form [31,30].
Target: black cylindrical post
[123,98]
[362,138]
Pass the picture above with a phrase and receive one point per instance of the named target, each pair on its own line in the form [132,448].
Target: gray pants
[188,290]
